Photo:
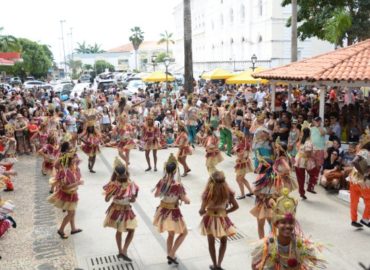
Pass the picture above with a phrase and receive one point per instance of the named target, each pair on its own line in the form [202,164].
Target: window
[231,15]
[260,7]
[242,13]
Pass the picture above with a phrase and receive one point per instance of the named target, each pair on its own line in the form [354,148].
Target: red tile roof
[351,63]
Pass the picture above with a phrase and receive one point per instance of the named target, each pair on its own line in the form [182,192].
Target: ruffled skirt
[184,151]
[244,167]
[63,200]
[213,159]
[217,225]
[151,145]
[169,220]
[126,145]
[47,167]
[120,217]
[90,150]
[262,209]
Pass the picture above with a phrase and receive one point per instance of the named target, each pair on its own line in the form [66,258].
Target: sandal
[240,197]
[172,260]
[76,231]
[62,235]
[250,194]
[155,169]
[124,257]
[147,170]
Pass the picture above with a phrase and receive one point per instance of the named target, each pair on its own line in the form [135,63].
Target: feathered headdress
[285,207]
[67,137]
[66,157]
[305,125]
[118,162]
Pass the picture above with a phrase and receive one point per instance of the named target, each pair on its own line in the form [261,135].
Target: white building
[226,33]
[123,57]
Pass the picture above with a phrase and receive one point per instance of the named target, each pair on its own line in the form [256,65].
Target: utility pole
[64,50]
[294,40]
[70,34]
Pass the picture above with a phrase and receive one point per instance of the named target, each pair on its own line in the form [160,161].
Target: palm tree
[82,48]
[188,51]
[294,41]
[95,49]
[337,26]
[166,38]
[8,43]
[136,39]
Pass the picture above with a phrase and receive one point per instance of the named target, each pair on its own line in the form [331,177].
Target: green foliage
[160,57]
[37,59]
[166,38]
[87,67]
[8,43]
[76,67]
[137,37]
[87,49]
[101,65]
[329,20]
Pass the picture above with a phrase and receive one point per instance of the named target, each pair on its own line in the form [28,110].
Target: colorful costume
[151,137]
[124,132]
[183,143]
[261,144]
[90,144]
[213,154]
[66,197]
[243,163]
[119,214]
[6,221]
[282,172]
[300,254]
[50,154]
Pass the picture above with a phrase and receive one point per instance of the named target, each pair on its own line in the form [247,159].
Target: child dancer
[151,135]
[49,152]
[213,154]
[90,144]
[119,214]
[125,133]
[182,142]
[217,202]
[168,216]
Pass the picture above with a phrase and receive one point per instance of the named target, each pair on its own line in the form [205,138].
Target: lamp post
[64,50]
[154,58]
[254,61]
[166,61]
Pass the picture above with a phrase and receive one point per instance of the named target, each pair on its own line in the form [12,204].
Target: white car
[37,84]
[78,89]
[133,87]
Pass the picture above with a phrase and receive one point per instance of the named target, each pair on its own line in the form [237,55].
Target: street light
[154,58]
[64,51]
[254,61]
[166,61]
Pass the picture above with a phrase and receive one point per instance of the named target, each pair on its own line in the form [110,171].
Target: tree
[87,67]
[188,51]
[8,43]
[136,38]
[166,38]
[160,57]
[75,66]
[315,16]
[37,59]
[336,27]
[87,49]
[101,65]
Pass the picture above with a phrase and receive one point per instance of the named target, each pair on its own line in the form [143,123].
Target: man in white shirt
[260,98]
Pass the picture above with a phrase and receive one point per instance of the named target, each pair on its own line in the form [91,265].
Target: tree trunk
[294,41]
[136,60]
[188,51]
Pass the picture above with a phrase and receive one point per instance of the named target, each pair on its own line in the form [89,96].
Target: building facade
[226,33]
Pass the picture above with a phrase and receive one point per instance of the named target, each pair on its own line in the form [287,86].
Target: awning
[5,62]
[217,74]
[245,77]
[158,76]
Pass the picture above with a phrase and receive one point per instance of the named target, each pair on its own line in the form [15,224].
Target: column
[290,86]
[273,92]
[322,103]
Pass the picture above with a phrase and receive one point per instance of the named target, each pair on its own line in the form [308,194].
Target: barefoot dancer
[151,136]
[125,132]
[243,164]
[182,142]
[168,216]
[216,198]
[66,181]
[90,144]
[119,214]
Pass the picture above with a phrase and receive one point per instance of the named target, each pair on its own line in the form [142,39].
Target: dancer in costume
[168,217]
[286,248]
[305,162]
[182,142]
[217,202]
[360,181]
[124,132]
[243,164]
[119,214]
[90,144]
[6,221]
[213,154]
[282,168]
[66,182]
[261,140]
[264,190]
[151,135]
[49,153]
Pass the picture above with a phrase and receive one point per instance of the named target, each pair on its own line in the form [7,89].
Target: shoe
[92,171]
[62,235]
[356,224]
[8,190]
[367,224]
[147,170]
[76,231]
[14,224]
[172,260]
[250,194]
[311,191]
[124,257]
[240,197]
[155,169]
[303,197]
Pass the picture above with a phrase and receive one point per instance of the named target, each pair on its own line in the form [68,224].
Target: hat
[318,118]
[285,207]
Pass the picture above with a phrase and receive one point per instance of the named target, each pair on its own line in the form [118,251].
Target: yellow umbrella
[217,74]
[158,76]
[245,77]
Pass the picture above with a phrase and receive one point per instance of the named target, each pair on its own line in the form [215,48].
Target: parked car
[37,84]
[85,78]
[30,78]
[7,87]
[133,87]
[78,89]
[105,84]
[15,80]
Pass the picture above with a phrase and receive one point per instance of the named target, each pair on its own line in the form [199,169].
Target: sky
[106,23]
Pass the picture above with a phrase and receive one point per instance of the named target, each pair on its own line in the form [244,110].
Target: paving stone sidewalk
[34,244]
